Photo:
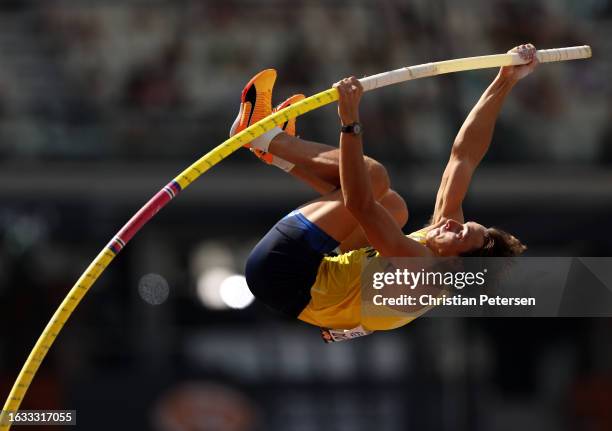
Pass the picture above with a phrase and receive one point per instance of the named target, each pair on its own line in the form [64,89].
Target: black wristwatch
[353,128]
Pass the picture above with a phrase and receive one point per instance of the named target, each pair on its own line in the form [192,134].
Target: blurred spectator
[155,86]
[200,406]
[126,60]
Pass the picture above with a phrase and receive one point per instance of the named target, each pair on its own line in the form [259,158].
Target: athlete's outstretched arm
[474,138]
[360,198]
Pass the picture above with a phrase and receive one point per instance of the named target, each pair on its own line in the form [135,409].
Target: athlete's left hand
[349,96]
[516,73]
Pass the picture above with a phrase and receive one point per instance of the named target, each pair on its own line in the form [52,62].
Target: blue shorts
[283,266]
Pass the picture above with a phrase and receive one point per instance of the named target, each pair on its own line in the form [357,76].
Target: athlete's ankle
[279,142]
[283,138]
[262,142]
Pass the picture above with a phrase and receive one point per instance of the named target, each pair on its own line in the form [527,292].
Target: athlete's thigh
[329,213]
[393,203]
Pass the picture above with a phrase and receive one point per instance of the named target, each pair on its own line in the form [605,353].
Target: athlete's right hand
[349,92]
[516,73]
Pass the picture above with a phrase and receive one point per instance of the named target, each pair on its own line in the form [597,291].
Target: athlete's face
[451,238]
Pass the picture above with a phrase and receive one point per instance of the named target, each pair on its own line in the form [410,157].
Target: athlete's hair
[498,243]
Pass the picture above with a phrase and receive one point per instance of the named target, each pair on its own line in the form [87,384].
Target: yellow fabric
[336,294]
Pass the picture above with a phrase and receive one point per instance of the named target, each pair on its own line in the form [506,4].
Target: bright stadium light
[210,255]
[235,293]
[209,287]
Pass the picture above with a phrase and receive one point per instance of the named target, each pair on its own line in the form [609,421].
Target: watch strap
[354,128]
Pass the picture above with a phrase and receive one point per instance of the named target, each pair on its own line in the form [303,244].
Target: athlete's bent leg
[314,182]
[331,215]
[284,265]
[319,160]
[395,204]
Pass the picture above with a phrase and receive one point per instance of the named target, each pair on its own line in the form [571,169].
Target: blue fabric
[283,266]
[316,237]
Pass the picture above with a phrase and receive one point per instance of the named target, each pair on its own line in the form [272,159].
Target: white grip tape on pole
[470,63]
[564,54]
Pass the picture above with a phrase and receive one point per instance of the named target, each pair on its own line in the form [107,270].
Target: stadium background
[102,102]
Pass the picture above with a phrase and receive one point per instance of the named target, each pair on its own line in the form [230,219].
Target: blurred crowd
[157,80]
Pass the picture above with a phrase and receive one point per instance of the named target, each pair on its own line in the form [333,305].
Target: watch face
[357,128]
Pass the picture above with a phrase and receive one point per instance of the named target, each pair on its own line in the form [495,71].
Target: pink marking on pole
[145,214]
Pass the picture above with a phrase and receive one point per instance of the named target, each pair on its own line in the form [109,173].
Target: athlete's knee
[378,177]
[396,205]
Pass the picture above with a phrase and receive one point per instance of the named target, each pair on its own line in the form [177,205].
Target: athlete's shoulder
[420,235]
